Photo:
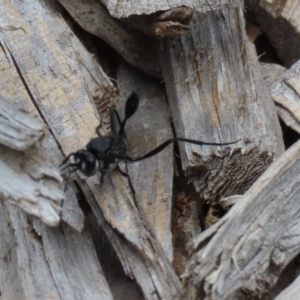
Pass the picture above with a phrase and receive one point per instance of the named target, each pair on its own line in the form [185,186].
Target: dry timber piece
[291,292]
[63,98]
[18,129]
[44,264]
[280,21]
[31,75]
[286,94]
[152,179]
[137,49]
[216,95]
[29,180]
[123,9]
[243,254]
[171,22]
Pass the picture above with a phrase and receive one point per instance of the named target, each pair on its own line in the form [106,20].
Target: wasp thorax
[87,162]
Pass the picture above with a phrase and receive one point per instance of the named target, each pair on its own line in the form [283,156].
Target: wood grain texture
[244,253]
[51,73]
[280,21]
[41,73]
[137,49]
[18,129]
[216,95]
[286,94]
[123,9]
[152,178]
[45,264]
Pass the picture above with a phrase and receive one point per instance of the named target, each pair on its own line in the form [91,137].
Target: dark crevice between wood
[288,275]
[289,135]
[186,204]
[117,280]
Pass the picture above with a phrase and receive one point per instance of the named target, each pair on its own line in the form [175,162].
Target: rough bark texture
[286,94]
[280,21]
[244,253]
[216,95]
[123,9]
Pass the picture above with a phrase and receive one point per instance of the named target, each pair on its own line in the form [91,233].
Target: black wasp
[104,153]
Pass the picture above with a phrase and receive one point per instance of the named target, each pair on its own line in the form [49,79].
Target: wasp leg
[169,141]
[128,178]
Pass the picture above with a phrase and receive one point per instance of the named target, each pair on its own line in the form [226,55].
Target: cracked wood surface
[286,94]
[137,49]
[244,253]
[216,95]
[66,264]
[123,9]
[280,21]
[64,100]
[153,178]
[18,129]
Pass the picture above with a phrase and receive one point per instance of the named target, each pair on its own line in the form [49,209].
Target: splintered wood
[216,95]
[211,88]
[286,94]
[280,21]
[123,9]
[93,17]
[244,253]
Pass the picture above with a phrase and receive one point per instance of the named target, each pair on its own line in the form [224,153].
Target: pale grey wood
[280,21]
[216,95]
[18,129]
[46,264]
[142,257]
[29,180]
[245,252]
[292,292]
[41,68]
[152,179]
[286,94]
[271,72]
[63,99]
[137,49]
[123,9]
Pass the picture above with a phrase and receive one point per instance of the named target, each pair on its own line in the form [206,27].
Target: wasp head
[84,161]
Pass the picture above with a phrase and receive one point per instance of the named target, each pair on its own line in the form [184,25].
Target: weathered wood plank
[280,21]
[152,178]
[18,129]
[60,92]
[123,9]
[45,264]
[286,94]
[216,95]
[93,17]
[245,252]
[39,67]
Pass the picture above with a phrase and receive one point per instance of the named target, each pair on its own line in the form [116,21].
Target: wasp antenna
[131,107]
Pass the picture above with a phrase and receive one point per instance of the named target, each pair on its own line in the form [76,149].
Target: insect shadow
[104,153]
